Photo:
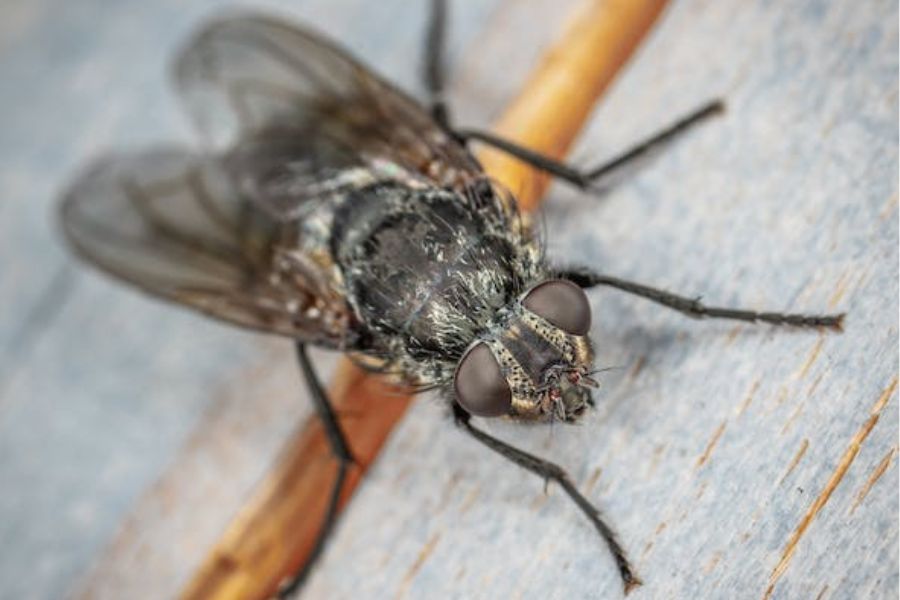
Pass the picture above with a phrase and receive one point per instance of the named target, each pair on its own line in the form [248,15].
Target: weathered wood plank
[708,450]
[729,458]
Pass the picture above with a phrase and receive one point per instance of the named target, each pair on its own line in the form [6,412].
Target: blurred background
[131,432]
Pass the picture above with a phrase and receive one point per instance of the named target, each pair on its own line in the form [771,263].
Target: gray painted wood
[131,432]
[788,202]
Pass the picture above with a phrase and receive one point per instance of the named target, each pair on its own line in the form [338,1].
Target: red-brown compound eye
[480,386]
[562,303]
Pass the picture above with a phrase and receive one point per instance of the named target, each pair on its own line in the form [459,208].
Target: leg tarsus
[549,471]
[654,143]
[692,307]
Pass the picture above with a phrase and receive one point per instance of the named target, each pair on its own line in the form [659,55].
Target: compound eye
[480,386]
[562,303]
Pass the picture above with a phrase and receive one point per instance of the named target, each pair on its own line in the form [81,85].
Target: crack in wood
[813,355]
[793,417]
[835,479]
[876,474]
[711,445]
[814,384]
[839,290]
[592,480]
[638,366]
[804,445]
[414,568]
[746,403]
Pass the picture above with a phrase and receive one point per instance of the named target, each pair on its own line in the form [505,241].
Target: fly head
[535,364]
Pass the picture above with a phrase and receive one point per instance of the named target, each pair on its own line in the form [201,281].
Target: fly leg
[552,472]
[434,68]
[692,307]
[601,176]
[341,450]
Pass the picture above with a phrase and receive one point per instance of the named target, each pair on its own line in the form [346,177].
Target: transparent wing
[295,115]
[171,223]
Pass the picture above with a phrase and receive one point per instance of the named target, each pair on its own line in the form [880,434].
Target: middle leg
[692,307]
[601,176]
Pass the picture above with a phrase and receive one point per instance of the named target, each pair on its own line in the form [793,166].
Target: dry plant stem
[272,535]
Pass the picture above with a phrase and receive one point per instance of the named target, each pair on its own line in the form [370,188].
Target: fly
[331,208]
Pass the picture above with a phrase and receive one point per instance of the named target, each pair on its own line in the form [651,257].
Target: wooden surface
[728,458]
[733,461]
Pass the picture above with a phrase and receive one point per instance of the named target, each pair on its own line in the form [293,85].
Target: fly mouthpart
[565,398]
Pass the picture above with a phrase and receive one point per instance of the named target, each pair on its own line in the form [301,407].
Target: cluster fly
[329,207]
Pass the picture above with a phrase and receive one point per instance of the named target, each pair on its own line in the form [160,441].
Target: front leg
[692,307]
[549,471]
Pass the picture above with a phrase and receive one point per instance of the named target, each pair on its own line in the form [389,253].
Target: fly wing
[296,116]
[171,223]
[291,123]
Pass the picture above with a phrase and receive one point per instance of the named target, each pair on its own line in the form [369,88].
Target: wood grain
[131,433]
[273,534]
[786,202]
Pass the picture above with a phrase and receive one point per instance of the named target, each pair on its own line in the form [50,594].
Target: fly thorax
[422,267]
